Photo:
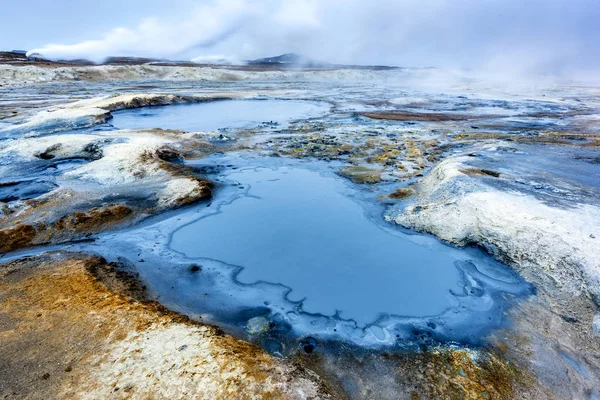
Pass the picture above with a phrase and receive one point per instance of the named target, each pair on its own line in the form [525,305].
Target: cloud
[203,26]
[535,36]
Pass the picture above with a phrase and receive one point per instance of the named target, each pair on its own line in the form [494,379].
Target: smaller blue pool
[210,116]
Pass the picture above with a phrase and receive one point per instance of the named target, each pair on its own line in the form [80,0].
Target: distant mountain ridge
[295,60]
[290,59]
[281,62]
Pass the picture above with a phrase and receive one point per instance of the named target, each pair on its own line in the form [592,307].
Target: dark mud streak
[422,117]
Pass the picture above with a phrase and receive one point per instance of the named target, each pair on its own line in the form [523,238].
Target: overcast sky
[555,36]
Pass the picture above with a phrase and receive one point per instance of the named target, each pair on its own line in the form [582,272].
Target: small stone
[592,236]
[46,376]
[308,348]
[128,388]
[309,345]
[571,320]
[401,193]
[257,325]
[477,171]
[195,268]
[170,155]
[361,174]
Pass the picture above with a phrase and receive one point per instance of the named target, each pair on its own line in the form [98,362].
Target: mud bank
[542,219]
[545,228]
[95,111]
[96,181]
[75,327]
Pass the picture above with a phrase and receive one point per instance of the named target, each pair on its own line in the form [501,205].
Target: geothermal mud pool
[217,115]
[293,245]
[303,215]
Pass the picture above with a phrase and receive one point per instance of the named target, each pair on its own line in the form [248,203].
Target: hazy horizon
[505,37]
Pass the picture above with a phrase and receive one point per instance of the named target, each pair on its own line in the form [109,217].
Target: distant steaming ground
[429,79]
[10,75]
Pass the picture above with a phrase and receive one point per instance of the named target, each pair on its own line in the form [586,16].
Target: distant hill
[294,60]
[281,62]
[290,59]
[12,56]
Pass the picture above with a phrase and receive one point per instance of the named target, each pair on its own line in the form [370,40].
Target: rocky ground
[518,177]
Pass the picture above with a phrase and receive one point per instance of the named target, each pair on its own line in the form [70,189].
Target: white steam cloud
[511,36]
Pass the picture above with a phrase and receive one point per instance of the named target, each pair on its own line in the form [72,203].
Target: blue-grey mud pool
[294,243]
[339,233]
